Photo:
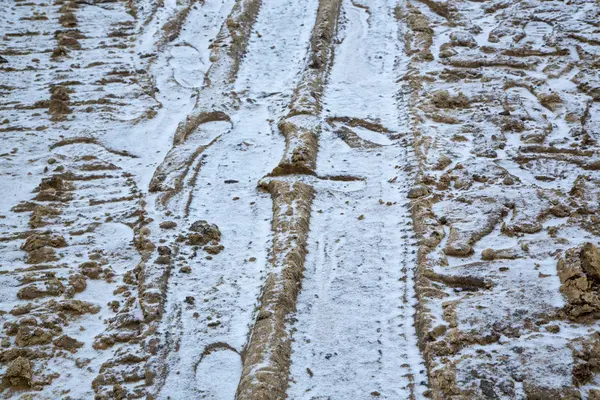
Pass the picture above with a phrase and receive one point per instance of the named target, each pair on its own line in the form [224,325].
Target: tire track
[225,288]
[354,334]
[266,356]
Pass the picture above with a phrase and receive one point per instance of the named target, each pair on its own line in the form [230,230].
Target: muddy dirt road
[324,199]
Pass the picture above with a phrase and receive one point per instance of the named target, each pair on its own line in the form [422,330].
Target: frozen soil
[325,199]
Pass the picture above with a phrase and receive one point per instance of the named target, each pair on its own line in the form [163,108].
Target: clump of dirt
[590,260]
[68,343]
[443,99]
[418,22]
[353,140]
[579,273]
[59,102]
[36,219]
[191,123]
[301,146]
[68,20]
[586,353]
[19,373]
[172,28]
[420,36]
[51,287]
[40,248]
[309,90]
[203,233]
[91,140]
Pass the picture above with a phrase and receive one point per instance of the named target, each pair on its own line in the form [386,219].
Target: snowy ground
[450,249]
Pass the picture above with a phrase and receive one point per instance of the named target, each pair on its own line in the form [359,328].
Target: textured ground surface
[318,199]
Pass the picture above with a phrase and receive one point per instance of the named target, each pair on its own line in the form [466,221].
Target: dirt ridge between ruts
[301,127]
[266,357]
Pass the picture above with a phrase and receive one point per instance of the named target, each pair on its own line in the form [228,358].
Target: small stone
[508,180]
[186,269]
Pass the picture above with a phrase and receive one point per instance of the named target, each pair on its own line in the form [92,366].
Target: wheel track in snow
[226,287]
[354,334]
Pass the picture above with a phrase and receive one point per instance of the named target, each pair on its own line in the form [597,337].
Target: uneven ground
[319,199]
